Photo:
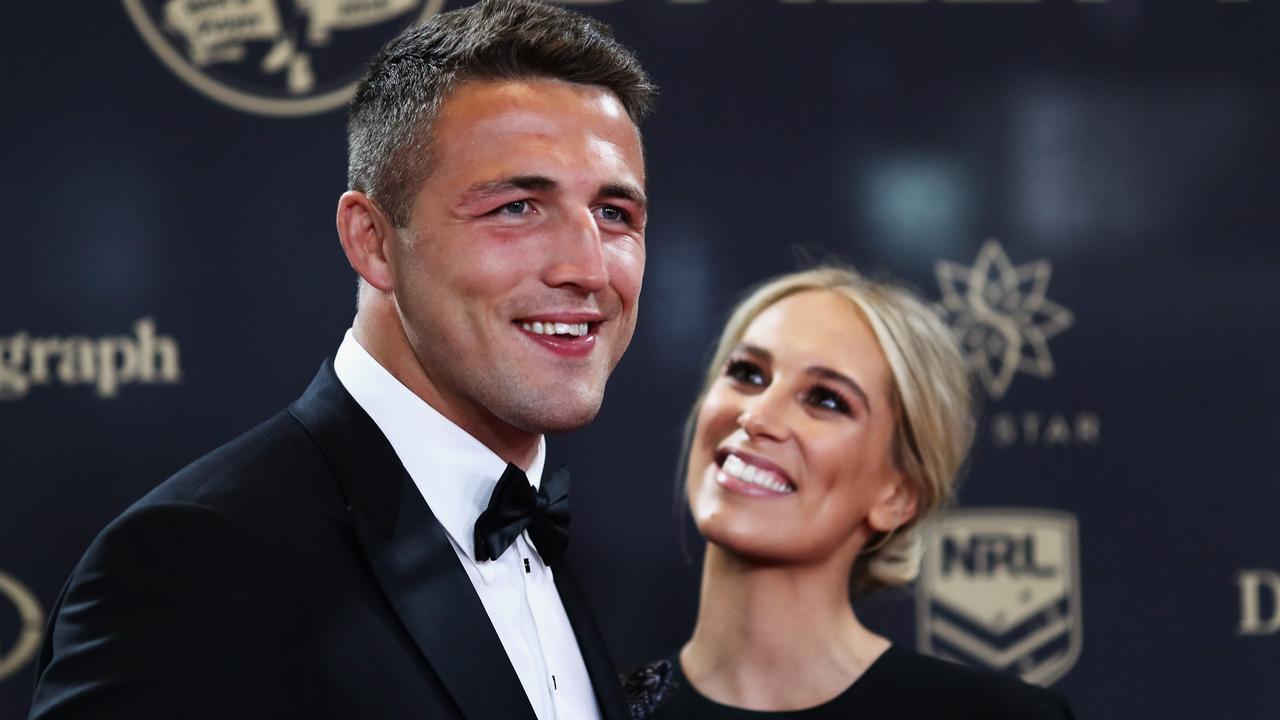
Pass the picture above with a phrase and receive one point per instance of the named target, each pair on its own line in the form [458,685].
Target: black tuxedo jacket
[293,573]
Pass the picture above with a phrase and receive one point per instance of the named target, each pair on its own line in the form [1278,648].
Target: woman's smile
[752,474]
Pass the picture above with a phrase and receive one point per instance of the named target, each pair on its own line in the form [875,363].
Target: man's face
[518,274]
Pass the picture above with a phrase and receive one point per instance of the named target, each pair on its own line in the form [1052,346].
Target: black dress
[900,684]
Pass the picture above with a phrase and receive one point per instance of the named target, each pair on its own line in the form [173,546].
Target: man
[344,559]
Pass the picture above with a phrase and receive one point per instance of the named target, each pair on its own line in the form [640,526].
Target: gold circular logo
[270,57]
[24,649]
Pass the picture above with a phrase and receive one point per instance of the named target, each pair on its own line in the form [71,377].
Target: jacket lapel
[604,677]
[411,556]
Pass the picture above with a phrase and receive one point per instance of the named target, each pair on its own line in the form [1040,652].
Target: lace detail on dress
[648,687]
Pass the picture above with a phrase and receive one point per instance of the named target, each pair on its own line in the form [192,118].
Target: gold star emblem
[1001,316]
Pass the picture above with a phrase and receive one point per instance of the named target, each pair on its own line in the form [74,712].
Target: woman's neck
[775,637]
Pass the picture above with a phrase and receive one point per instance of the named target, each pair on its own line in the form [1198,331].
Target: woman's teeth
[752,475]
[556,328]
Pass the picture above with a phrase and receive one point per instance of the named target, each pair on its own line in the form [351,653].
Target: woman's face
[791,453]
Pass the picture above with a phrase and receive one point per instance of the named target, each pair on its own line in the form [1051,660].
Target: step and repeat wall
[1088,190]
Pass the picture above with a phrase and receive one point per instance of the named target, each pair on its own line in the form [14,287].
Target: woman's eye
[745,372]
[829,400]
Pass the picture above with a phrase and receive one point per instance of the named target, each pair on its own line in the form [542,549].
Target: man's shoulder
[192,584]
[277,489]
[276,462]
[268,496]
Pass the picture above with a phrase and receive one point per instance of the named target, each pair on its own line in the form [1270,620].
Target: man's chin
[561,416]
[567,421]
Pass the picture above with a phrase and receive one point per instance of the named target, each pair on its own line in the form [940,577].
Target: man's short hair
[389,141]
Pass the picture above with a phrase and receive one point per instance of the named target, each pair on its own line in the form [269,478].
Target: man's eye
[745,372]
[828,399]
[519,207]
[613,214]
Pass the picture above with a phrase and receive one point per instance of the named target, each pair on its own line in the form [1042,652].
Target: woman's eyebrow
[755,351]
[839,377]
[821,371]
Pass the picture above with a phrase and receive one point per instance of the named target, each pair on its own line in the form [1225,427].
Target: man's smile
[538,327]
[568,334]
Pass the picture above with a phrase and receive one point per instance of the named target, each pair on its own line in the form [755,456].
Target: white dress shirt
[456,475]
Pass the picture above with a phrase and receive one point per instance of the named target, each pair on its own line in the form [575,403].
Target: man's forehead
[498,94]
[508,128]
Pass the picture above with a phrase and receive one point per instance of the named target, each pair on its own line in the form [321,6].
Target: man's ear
[895,506]
[366,234]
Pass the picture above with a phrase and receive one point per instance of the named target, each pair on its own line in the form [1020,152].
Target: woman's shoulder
[901,684]
[955,690]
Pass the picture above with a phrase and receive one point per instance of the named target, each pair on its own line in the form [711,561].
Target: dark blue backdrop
[1104,173]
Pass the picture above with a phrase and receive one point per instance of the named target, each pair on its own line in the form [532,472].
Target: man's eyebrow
[841,378]
[625,192]
[490,188]
[539,183]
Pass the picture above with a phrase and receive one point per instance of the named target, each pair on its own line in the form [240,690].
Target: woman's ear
[896,505]
[366,235]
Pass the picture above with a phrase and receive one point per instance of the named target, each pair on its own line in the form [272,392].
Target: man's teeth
[556,328]
[752,475]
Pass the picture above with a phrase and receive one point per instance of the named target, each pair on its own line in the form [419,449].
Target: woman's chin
[772,542]
[739,525]
[746,540]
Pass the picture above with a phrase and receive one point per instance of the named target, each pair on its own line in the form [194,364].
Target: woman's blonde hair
[931,393]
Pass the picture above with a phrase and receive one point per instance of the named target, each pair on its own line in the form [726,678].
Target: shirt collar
[455,472]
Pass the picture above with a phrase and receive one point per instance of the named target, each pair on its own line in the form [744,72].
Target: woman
[832,422]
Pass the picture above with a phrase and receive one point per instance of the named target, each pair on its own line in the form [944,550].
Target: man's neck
[384,339]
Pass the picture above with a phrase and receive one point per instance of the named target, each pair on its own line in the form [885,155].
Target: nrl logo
[273,57]
[15,655]
[1000,589]
[1001,316]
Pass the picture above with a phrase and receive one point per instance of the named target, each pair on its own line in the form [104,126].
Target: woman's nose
[764,415]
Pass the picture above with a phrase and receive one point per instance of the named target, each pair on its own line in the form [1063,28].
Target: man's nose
[576,256]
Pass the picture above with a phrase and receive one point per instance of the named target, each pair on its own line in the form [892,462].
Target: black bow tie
[515,507]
